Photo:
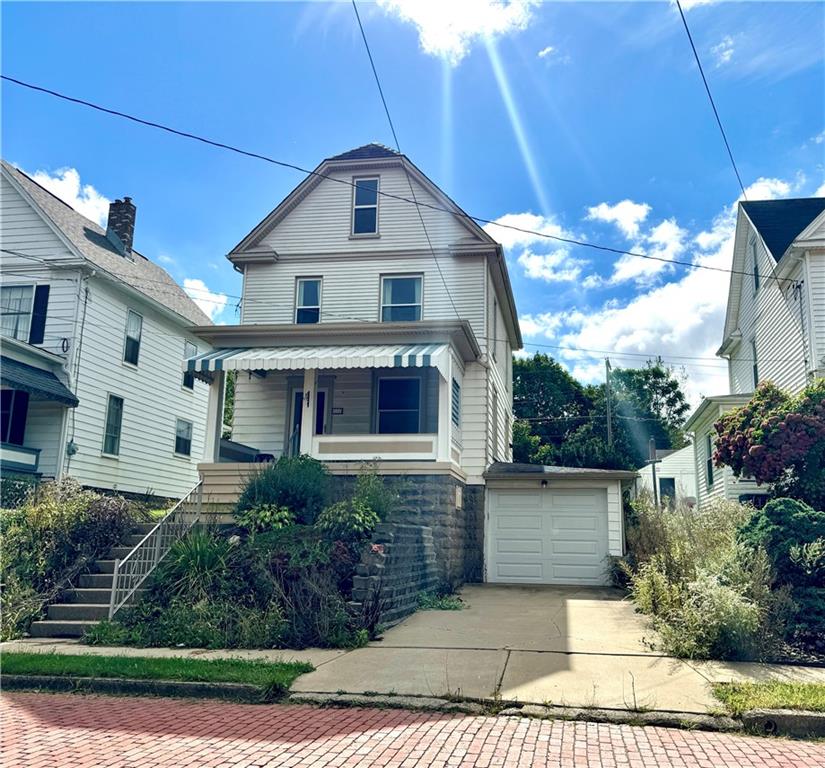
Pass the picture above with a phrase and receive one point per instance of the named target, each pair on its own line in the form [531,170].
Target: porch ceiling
[326,358]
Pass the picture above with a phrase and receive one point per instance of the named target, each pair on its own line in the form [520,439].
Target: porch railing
[132,570]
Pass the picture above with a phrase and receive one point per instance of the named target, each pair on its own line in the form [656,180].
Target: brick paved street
[71,731]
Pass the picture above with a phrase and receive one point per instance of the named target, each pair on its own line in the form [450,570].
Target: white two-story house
[93,334]
[774,326]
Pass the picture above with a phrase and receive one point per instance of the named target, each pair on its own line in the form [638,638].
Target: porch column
[308,405]
[445,423]
[214,417]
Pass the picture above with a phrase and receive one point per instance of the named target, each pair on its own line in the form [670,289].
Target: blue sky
[586,119]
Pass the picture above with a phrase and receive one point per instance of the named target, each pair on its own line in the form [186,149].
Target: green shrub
[59,527]
[196,566]
[782,527]
[264,517]
[349,520]
[374,492]
[806,626]
[435,601]
[300,483]
[16,489]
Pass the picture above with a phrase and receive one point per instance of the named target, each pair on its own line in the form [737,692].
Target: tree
[778,440]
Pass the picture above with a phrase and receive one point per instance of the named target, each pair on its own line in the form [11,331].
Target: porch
[343,404]
[34,407]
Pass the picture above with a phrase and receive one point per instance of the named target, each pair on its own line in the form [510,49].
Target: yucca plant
[196,566]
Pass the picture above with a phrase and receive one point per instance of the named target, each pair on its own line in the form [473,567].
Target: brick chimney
[120,228]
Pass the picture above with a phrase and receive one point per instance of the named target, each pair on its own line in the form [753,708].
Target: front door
[297,414]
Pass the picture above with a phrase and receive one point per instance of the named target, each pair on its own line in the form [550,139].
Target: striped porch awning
[326,358]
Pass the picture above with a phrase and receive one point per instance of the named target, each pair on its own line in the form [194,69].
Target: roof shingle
[373,151]
[779,222]
[91,241]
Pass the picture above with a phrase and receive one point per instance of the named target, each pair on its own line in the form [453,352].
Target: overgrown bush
[196,566]
[299,483]
[264,517]
[372,490]
[708,594]
[59,527]
[15,489]
[350,520]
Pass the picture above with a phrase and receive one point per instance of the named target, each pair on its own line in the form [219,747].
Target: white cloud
[723,51]
[681,318]
[819,138]
[688,5]
[553,267]
[166,259]
[85,199]
[210,302]
[545,324]
[544,52]
[820,191]
[542,258]
[448,29]
[626,215]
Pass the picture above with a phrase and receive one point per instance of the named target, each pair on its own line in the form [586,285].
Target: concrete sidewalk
[541,645]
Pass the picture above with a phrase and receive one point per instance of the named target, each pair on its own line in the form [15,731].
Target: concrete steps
[87,603]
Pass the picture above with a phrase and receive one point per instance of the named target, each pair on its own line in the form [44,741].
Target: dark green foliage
[565,423]
[349,520]
[196,566]
[373,491]
[15,489]
[264,517]
[57,530]
[299,483]
[781,526]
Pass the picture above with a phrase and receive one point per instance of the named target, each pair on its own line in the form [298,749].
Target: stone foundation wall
[398,565]
[430,501]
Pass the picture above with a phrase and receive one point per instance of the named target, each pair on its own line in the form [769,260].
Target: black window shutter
[39,309]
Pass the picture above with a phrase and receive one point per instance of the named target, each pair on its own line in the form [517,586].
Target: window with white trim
[308,300]
[134,331]
[399,406]
[401,298]
[455,403]
[16,302]
[113,424]
[183,437]
[189,351]
[365,206]
[709,459]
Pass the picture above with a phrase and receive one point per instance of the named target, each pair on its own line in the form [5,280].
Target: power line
[459,214]
[710,98]
[403,159]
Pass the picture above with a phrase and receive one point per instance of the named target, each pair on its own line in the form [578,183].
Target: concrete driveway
[549,645]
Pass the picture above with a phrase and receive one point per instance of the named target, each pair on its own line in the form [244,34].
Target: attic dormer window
[365,207]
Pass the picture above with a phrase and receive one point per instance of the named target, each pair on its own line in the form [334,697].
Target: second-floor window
[400,298]
[754,364]
[134,330]
[189,350]
[365,207]
[308,300]
[17,303]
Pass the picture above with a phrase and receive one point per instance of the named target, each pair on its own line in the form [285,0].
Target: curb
[684,720]
[785,722]
[415,703]
[240,692]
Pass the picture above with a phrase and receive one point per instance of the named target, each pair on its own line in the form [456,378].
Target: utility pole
[608,395]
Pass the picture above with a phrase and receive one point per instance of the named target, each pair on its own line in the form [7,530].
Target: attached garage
[552,525]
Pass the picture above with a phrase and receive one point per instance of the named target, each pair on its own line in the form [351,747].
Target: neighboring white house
[93,334]
[775,322]
[675,475]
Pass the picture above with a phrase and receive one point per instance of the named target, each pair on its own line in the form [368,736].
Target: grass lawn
[271,677]
[740,697]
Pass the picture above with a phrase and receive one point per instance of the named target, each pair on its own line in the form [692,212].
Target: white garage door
[547,536]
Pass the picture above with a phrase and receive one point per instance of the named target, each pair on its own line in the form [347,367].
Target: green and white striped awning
[325,358]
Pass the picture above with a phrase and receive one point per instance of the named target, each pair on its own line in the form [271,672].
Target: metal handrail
[132,570]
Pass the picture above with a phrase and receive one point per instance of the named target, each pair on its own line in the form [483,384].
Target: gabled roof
[370,151]
[90,242]
[728,402]
[779,222]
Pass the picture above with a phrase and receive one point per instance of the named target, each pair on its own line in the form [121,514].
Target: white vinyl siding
[151,392]
[44,424]
[352,287]
[321,223]
[679,466]
[816,307]
[769,317]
